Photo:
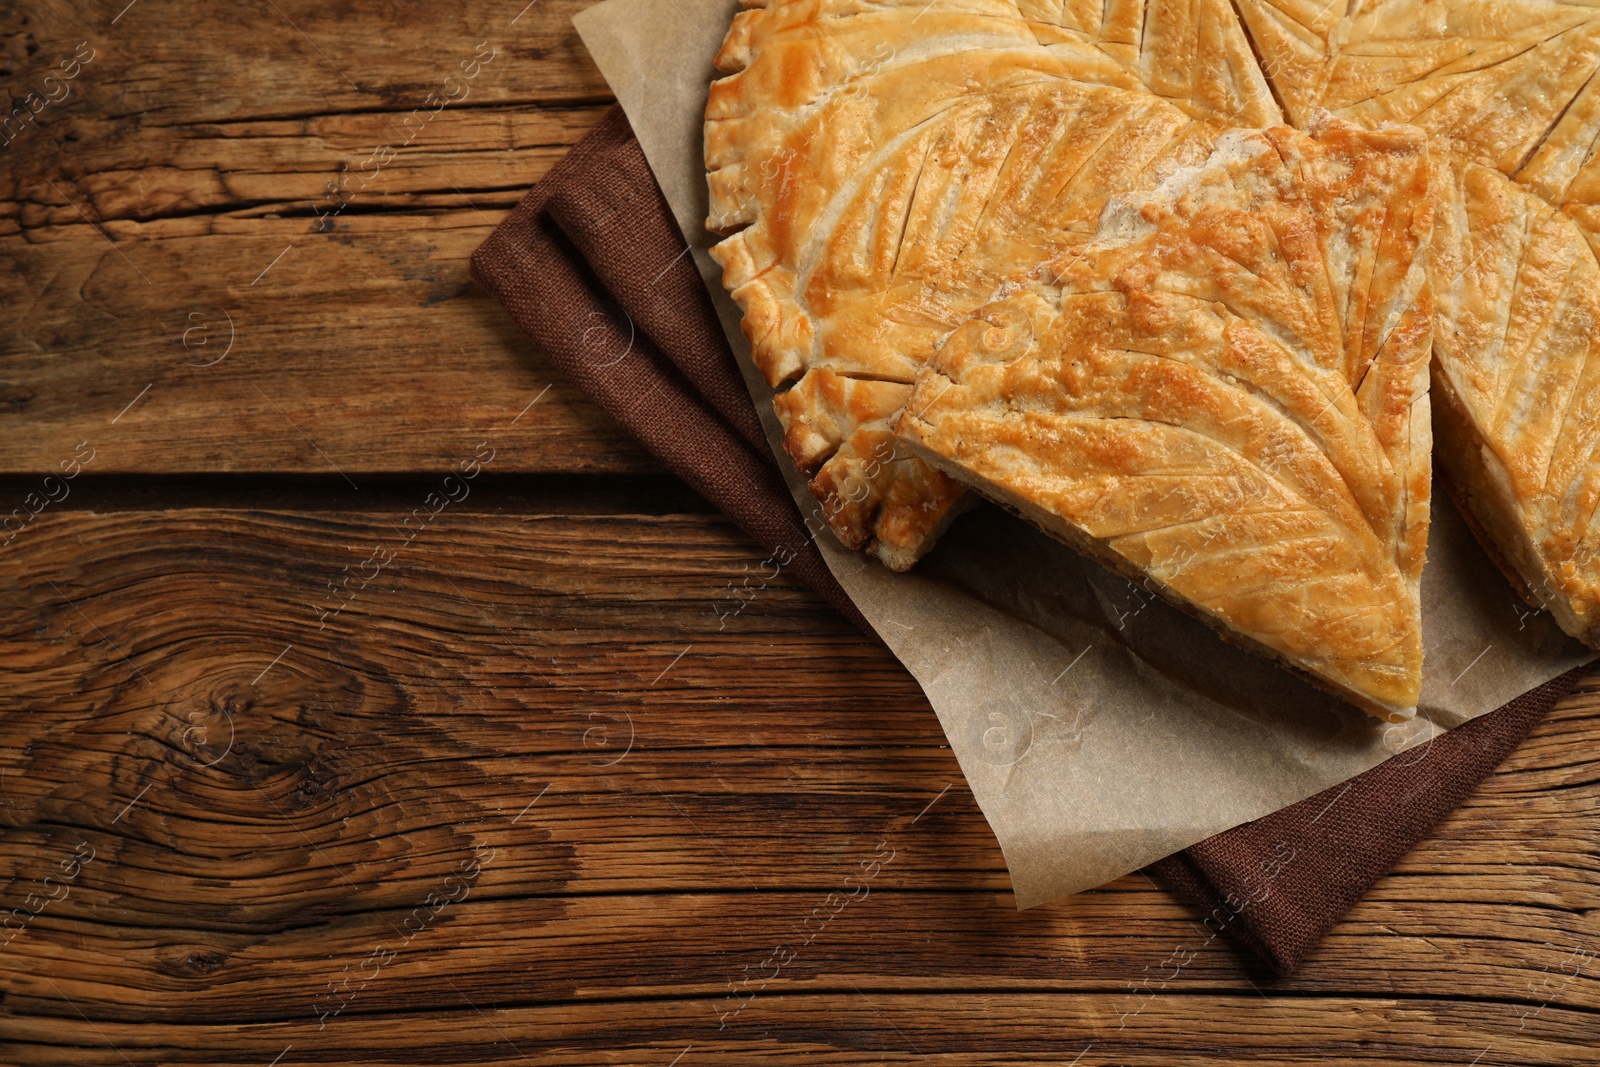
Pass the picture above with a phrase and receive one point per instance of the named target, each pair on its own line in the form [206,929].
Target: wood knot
[204,962]
[182,962]
[268,790]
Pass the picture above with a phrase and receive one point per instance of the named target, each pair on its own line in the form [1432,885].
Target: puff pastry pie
[1507,91]
[1225,396]
[884,168]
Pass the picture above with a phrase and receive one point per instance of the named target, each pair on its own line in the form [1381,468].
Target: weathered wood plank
[318,170]
[198,145]
[847,1026]
[367,348]
[287,58]
[526,761]
[180,197]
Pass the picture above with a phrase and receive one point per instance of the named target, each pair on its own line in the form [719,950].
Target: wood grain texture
[318,778]
[158,216]
[312,383]
[523,791]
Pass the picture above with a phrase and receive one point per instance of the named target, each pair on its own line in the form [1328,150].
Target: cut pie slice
[1517,386]
[1224,396]
[1508,93]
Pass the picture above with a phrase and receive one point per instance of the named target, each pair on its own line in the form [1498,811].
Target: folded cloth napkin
[593,268]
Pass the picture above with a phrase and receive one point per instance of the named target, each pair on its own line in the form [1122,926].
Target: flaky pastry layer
[1225,396]
[881,167]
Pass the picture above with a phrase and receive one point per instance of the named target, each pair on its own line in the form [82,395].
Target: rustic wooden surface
[517,799]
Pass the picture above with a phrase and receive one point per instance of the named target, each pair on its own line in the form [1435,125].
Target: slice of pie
[1224,396]
[1517,385]
[1507,91]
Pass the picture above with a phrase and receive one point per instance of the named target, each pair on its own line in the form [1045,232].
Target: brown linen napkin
[593,268]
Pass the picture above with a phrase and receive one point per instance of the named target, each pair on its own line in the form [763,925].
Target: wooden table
[299,766]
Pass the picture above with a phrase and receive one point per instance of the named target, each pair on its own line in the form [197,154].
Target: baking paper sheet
[1098,728]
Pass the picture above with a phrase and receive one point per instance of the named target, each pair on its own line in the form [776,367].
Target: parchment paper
[1098,728]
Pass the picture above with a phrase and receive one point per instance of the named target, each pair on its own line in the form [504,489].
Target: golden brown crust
[1226,392]
[1195,52]
[1507,91]
[881,167]
[871,491]
[1517,382]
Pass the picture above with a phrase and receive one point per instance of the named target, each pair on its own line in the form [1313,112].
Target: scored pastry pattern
[889,165]
[1225,396]
[1506,91]
[882,167]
